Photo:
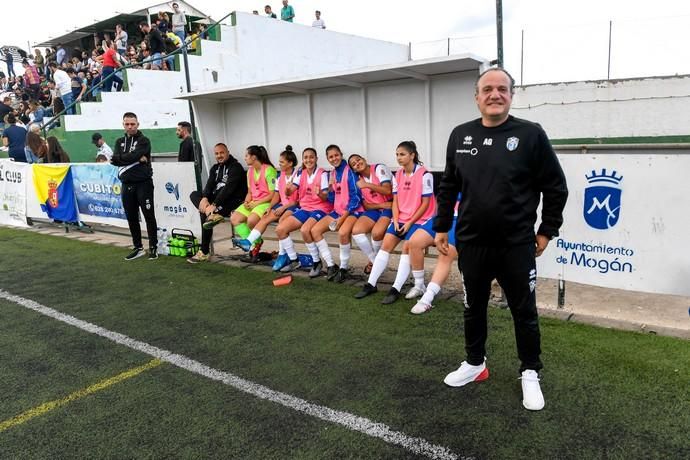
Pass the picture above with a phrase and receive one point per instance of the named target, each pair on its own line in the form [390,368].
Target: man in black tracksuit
[133,157]
[225,190]
[503,166]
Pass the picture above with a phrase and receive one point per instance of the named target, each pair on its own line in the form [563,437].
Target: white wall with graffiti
[626,223]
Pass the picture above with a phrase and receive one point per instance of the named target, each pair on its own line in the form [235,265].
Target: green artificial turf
[609,394]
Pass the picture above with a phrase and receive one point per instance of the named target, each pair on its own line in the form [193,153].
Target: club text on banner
[13,179]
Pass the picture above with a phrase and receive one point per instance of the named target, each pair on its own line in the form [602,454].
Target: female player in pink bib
[282,205]
[444,263]
[375,184]
[347,207]
[261,184]
[311,183]
[414,206]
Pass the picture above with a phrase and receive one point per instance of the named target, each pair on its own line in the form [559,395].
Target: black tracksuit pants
[515,270]
[135,196]
[206,233]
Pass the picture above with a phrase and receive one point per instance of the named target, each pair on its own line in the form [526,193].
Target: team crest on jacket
[512,143]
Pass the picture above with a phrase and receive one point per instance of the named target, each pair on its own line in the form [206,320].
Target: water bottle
[163,241]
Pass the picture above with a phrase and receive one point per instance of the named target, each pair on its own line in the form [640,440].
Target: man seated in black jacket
[225,190]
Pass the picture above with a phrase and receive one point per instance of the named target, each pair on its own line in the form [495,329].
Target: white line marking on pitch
[353,422]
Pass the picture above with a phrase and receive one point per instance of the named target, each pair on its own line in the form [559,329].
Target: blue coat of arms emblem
[602,203]
[512,143]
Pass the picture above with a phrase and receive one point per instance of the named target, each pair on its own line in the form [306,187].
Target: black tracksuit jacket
[502,173]
[128,151]
[226,186]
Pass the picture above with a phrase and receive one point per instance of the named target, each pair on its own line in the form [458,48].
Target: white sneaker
[421,307]
[467,373]
[415,292]
[532,398]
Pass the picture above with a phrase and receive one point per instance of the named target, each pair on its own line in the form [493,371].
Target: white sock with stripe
[365,246]
[403,272]
[380,264]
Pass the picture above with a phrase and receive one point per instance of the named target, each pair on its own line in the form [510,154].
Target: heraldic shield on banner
[602,203]
[55,191]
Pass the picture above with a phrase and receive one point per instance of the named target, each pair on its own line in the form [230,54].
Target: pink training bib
[309,200]
[284,180]
[259,189]
[371,196]
[410,196]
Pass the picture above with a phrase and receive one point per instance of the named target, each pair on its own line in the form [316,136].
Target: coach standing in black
[133,157]
[503,166]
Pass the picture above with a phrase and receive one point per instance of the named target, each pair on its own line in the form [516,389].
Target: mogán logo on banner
[178,209]
[173,189]
[602,204]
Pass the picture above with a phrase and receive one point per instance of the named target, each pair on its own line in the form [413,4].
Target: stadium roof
[421,69]
[121,18]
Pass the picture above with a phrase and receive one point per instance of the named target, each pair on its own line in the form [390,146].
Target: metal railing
[181,50]
[603,50]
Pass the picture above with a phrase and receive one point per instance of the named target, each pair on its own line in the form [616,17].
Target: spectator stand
[128,21]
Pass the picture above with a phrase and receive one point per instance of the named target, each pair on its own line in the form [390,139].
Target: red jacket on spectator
[31,76]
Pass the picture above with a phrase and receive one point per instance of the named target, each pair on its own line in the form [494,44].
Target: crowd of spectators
[57,77]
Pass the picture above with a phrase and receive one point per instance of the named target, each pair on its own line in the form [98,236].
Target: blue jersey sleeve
[355,194]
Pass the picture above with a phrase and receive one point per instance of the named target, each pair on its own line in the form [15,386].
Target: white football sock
[313,251]
[403,272]
[289,248]
[365,246]
[253,236]
[325,252]
[432,291]
[418,278]
[376,245]
[345,255]
[379,266]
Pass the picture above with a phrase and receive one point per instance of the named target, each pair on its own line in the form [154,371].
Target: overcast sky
[563,40]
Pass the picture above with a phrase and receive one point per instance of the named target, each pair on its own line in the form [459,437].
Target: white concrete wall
[209,119]
[274,50]
[339,118]
[452,103]
[371,121]
[108,114]
[256,49]
[602,109]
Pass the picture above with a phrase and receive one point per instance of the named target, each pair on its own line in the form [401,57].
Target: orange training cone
[282,281]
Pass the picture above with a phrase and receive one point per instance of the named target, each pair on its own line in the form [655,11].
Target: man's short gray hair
[495,69]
